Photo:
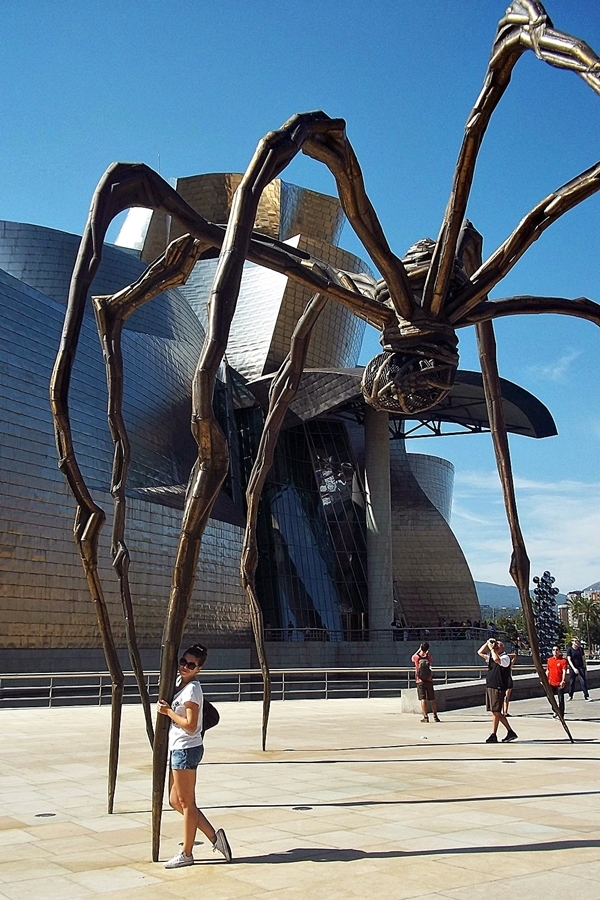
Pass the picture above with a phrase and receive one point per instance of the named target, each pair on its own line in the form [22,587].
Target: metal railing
[399,633]
[94,688]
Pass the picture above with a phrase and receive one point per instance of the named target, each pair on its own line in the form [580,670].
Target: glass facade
[312,573]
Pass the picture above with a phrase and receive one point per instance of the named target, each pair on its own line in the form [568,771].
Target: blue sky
[190,87]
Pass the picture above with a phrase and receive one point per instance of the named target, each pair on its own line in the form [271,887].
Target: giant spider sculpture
[437,288]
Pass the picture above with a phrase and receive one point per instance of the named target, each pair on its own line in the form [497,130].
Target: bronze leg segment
[525,26]
[274,152]
[519,566]
[89,521]
[171,269]
[330,146]
[90,518]
[110,335]
[528,230]
[126,185]
[582,308]
[282,392]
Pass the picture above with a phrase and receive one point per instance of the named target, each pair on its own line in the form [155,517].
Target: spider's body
[422,300]
[417,368]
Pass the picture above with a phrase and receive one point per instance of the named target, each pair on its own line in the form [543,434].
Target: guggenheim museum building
[323,569]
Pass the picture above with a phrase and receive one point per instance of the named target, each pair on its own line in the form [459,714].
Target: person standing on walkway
[509,684]
[578,669]
[498,663]
[556,670]
[185,752]
[423,661]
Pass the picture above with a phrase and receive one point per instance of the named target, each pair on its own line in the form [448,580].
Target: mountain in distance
[593,587]
[503,595]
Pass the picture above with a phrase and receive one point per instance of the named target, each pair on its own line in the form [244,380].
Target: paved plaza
[353,799]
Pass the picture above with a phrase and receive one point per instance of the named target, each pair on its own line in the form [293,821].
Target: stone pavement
[353,799]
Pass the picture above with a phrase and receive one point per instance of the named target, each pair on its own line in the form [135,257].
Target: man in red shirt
[423,661]
[556,670]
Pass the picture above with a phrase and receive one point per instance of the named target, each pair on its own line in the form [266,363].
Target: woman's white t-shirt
[179,739]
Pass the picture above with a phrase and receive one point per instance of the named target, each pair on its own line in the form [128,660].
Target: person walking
[509,684]
[578,669]
[556,670]
[423,661]
[498,663]
[185,752]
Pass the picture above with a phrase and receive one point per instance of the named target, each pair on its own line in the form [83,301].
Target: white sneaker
[222,844]
[179,860]
[588,699]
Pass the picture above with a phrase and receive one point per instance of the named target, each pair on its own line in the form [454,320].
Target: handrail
[298,670]
[84,688]
[450,632]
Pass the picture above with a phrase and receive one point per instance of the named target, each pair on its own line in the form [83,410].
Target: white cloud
[557,369]
[560,523]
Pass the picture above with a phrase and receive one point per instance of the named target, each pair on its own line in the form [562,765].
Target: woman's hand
[163,708]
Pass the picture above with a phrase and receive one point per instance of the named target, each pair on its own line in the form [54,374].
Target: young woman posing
[185,752]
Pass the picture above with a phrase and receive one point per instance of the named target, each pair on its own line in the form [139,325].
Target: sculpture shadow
[328,855]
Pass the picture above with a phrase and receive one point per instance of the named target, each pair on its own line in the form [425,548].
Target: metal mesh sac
[406,382]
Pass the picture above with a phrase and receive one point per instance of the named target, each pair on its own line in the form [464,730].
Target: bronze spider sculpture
[437,288]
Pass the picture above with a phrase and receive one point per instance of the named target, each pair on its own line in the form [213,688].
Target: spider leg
[528,230]
[122,186]
[324,138]
[282,392]
[126,185]
[274,152]
[519,566]
[171,269]
[581,307]
[89,517]
[89,521]
[333,148]
[526,26]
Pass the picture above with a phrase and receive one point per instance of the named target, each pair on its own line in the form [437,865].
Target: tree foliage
[586,612]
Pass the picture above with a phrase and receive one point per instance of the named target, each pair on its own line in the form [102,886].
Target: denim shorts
[186,759]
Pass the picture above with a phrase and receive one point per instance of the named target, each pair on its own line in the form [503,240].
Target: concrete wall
[472,693]
[292,654]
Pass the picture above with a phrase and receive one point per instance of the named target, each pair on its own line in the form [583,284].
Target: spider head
[417,368]
[410,381]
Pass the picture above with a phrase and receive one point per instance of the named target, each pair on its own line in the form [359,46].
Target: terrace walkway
[352,800]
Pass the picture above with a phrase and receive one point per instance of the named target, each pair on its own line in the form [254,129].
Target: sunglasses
[186,664]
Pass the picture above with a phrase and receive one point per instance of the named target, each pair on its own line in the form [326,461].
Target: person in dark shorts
[496,682]
[509,684]
[423,661]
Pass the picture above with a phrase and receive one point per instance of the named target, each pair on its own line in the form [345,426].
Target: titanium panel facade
[436,480]
[44,603]
[431,577]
